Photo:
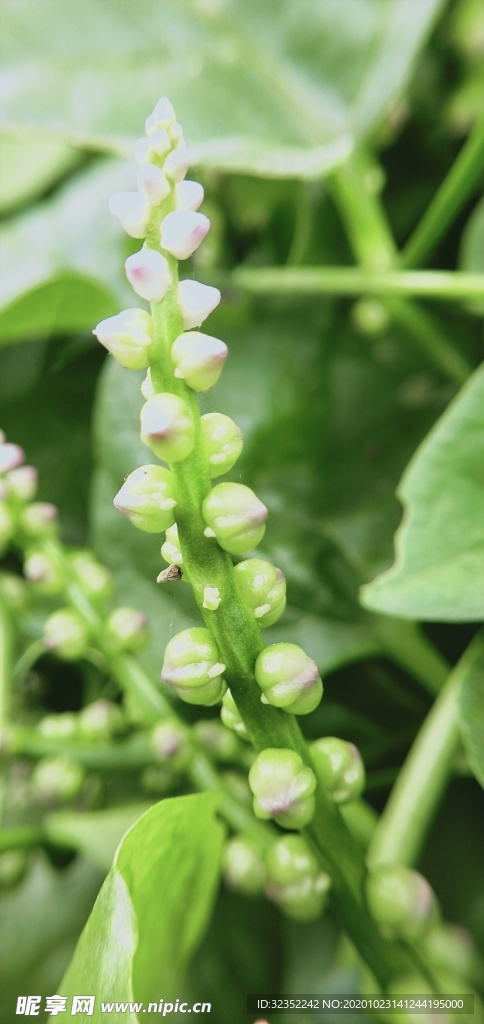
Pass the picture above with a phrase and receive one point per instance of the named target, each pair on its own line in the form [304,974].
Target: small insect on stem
[169,575]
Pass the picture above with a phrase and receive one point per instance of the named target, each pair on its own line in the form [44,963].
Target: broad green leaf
[30,168]
[439,568]
[471,715]
[40,922]
[96,834]
[153,907]
[65,304]
[319,74]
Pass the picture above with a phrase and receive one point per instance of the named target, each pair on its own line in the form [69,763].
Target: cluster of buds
[168,342]
[20,516]
[294,879]
[100,721]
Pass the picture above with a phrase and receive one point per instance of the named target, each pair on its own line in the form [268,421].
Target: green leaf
[471,255]
[96,834]
[471,715]
[319,74]
[154,906]
[439,566]
[65,304]
[30,168]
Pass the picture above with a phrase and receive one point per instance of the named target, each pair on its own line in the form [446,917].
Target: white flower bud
[11,456]
[128,336]
[147,386]
[147,150]
[170,550]
[167,427]
[152,183]
[149,274]
[132,211]
[182,232]
[176,134]
[198,359]
[162,116]
[22,482]
[177,163]
[39,519]
[146,498]
[188,195]
[196,301]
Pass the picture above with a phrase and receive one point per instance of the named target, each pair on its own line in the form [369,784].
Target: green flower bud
[450,948]
[129,628]
[39,519]
[262,588]
[222,442]
[167,427]
[127,336]
[192,667]
[370,317]
[283,787]
[66,635]
[401,900]
[94,578]
[170,742]
[294,878]
[289,679]
[244,866]
[339,767]
[198,359]
[62,726]
[146,498]
[216,740]
[43,572]
[235,517]
[230,716]
[57,779]
[14,591]
[100,720]
[170,550]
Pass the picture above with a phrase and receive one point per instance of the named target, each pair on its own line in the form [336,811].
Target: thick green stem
[422,780]
[463,177]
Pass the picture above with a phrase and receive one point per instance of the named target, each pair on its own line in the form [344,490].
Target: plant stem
[5,664]
[416,794]
[445,285]
[463,177]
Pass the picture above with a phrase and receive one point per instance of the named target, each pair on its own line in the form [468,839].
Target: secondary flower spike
[149,274]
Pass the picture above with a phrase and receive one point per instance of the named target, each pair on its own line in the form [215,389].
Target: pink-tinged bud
[182,232]
[22,482]
[177,163]
[196,301]
[146,151]
[188,195]
[162,116]
[127,336]
[198,359]
[132,211]
[11,456]
[43,572]
[235,517]
[146,499]
[149,274]
[152,183]
[39,519]
[129,628]
[167,427]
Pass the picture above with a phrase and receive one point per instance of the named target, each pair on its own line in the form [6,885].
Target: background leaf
[439,565]
[96,834]
[154,905]
[471,715]
[317,75]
